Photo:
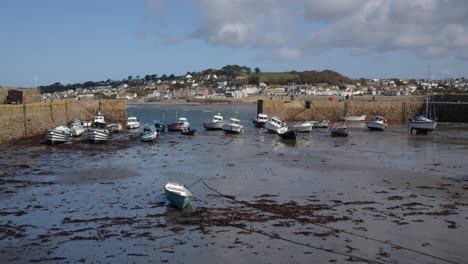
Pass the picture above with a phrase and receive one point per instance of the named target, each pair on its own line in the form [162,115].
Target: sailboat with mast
[426,122]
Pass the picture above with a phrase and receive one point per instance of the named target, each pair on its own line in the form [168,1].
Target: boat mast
[427,90]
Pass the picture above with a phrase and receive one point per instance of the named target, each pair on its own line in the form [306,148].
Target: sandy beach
[374,197]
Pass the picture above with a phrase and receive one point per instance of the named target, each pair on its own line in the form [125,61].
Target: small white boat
[378,124]
[303,127]
[216,123]
[421,124]
[115,127]
[181,124]
[341,131]
[148,135]
[233,126]
[98,135]
[261,120]
[354,118]
[59,134]
[99,120]
[177,194]
[275,125]
[320,124]
[133,122]
[76,129]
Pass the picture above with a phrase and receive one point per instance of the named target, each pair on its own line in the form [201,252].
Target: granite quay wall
[32,119]
[393,111]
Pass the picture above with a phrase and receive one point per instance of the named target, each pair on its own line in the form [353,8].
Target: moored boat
[421,124]
[359,118]
[132,122]
[148,135]
[179,126]
[290,134]
[216,123]
[233,126]
[57,135]
[261,120]
[303,127]
[177,194]
[378,124]
[342,131]
[275,125]
[160,127]
[115,127]
[97,135]
[320,124]
[99,120]
[76,129]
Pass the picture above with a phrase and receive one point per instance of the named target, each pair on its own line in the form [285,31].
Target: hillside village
[234,81]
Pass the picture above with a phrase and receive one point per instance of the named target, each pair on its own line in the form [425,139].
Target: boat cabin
[235,121]
[262,117]
[218,118]
[132,119]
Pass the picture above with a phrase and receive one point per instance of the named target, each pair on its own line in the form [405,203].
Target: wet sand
[377,197]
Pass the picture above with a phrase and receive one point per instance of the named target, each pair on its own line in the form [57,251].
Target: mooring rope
[339,230]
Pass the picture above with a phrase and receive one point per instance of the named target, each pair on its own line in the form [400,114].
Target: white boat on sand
[132,122]
[421,124]
[378,124]
[180,125]
[59,134]
[261,120]
[216,123]
[76,129]
[234,126]
[320,124]
[359,118]
[303,127]
[98,135]
[275,125]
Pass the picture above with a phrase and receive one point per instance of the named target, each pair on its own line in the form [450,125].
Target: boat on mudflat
[132,122]
[261,120]
[378,124]
[233,126]
[303,127]
[188,132]
[320,124]
[99,120]
[178,194]
[422,124]
[359,118]
[216,123]
[76,129]
[148,135]
[179,125]
[342,131]
[275,125]
[57,135]
[97,135]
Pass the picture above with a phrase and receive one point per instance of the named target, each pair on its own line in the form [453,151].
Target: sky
[86,40]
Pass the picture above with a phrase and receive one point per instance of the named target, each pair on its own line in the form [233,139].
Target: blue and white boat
[177,194]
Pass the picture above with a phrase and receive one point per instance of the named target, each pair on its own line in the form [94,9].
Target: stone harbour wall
[32,119]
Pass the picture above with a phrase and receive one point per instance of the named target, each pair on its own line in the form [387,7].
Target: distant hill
[326,76]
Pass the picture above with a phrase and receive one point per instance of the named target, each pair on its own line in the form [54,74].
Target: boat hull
[179,201]
[425,126]
[133,126]
[214,125]
[160,127]
[377,126]
[177,127]
[356,118]
[76,132]
[258,123]
[303,128]
[339,132]
[321,124]
[230,129]
[98,135]
[149,136]
[288,135]
[56,137]
[190,132]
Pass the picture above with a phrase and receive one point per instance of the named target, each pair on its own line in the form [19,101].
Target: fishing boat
[99,120]
[148,134]
[57,135]
[342,131]
[132,122]
[320,124]
[98,135]
[216,123]
[177,194]
[115,127]
[275,125]
[76,129]
[378,124]
[179,125]
[233,126]
[188,131]
[289,135]
[261,120]
[303,127]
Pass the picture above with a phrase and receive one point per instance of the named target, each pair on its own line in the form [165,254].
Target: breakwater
[32,119]
[394,110]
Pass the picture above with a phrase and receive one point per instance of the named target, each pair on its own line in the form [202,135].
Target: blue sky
[77,41]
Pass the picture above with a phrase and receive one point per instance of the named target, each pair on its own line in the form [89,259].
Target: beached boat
[188,132]
[261,120]
[76,129]
[179,126]
[99,120]
[132,122]
[275,125]
[115,127]
[57,135]
[341,131]
[177,194]
[216,123]
[233,126]
[359,118]
[421,124]
[148,135]
[320,124]
[289,135]
[97,135]
[303,127]
[378,124]
[160,127]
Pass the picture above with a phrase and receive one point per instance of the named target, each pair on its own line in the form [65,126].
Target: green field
[274,77]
